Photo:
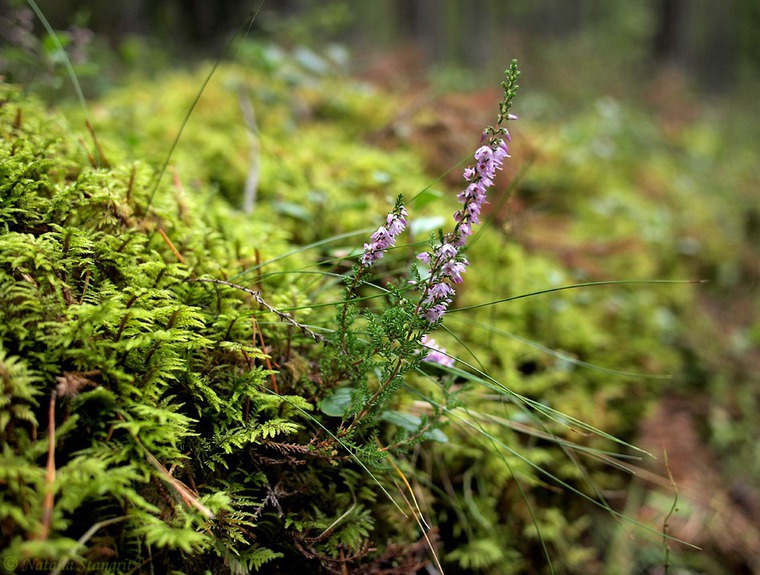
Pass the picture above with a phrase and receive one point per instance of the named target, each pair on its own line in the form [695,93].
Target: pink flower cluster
[480,177]
[436,354]
[385,236]
[446,267]
[446,263]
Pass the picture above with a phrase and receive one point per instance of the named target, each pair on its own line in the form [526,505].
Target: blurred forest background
[717,45]
[659,97]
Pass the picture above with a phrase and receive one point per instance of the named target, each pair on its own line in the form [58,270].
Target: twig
[85,285]
[93,161]
[187,496]
[47,504]
[180,195]
[102,160]
[171,245]
[260,300]
[131,185]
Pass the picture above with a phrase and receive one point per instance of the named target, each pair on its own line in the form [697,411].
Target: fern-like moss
[137,415]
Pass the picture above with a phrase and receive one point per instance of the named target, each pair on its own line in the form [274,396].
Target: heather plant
[395,341]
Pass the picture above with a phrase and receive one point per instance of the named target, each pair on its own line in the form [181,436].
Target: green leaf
[337,403]
[412,423]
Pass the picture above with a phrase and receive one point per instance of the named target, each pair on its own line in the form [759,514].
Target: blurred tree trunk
[665,42]
[749,33]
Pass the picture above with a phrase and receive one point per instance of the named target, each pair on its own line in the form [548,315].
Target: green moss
[166,436]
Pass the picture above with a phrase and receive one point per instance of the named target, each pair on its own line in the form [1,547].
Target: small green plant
[395,341]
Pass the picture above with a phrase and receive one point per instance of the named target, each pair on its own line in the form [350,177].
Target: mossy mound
[137,420]
[170,442]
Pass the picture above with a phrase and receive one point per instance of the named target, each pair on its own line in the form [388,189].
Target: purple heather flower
[447,267]
[473,211]
[465,231]
[396,221]
[385,236]
[434,313]
[483,154]
[445,261]
[436,354]
[454,270]
[446,252]
[439,293]
[382,235]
